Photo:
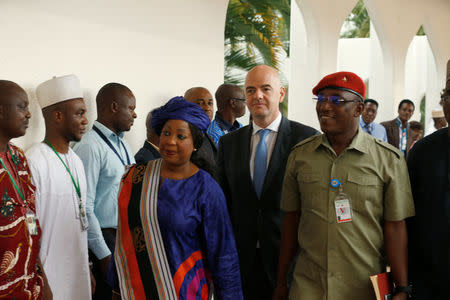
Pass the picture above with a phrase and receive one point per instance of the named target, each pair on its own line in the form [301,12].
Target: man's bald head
[109,93]
[202,97]
[115,107]
[227,91]
[8,90]
[194,92]
[152,137]
[14,113]
[266,71]
[230,101]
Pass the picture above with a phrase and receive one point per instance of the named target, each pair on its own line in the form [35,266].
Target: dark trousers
[431,288]
[257,285]
[102,289]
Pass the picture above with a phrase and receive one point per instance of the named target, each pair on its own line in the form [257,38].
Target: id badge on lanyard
[83,216]
[342,204]
[30,220]
[81,207]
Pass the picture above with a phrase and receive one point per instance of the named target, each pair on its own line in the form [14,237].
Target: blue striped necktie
[260,162]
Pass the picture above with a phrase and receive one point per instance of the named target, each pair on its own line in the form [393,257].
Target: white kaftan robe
[64,250]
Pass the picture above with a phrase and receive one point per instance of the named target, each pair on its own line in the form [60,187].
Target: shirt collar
[224,124]
[399,123]
[363,124]
[272,126]
[153,145]
[106,131]
[358,143]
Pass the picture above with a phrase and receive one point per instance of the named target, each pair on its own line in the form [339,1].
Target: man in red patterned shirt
[21,275]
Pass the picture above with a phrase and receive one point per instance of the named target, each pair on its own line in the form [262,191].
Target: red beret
[346,81]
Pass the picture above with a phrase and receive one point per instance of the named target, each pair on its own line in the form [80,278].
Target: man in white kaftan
[64,250]
[60,180]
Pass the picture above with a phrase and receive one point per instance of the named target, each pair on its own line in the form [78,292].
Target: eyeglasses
[336,100]
[239,99]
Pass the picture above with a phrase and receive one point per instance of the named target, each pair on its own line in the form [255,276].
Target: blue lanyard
[105,139]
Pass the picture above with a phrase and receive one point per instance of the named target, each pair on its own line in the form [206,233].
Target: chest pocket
[365,191]
[310,189]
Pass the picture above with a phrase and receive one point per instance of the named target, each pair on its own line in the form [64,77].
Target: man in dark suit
[404,140]
[150,150]
[253,194]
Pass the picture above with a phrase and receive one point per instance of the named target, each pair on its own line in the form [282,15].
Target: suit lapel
[396,133]
[279,151]
[213,144]
[244,159]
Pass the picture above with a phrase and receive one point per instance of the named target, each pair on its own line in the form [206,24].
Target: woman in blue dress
[174,238]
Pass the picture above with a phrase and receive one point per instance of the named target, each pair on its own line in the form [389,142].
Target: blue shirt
[104,171]
[402,136]
[374,129]
[220,127]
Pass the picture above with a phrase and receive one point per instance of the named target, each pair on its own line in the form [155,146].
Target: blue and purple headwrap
[179,109]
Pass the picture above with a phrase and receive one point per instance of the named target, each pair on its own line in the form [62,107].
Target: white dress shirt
[271,138]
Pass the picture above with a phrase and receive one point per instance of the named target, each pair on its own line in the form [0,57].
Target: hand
[400,296]
[281,292]
[104,265]
[93,283]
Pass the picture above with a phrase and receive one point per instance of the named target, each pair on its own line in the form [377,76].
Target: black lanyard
[105,139]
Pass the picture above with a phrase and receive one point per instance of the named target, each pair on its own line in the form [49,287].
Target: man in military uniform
[346,195]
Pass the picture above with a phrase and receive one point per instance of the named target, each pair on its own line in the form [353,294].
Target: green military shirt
[336,259]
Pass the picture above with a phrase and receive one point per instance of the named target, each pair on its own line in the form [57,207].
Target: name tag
[30,219]
[343,210]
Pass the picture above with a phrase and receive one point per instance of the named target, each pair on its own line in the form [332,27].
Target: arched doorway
[421,80]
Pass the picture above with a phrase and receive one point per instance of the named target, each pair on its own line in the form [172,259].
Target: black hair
[197,136]
[196,158]
[371,101]
[406,101]
[110,92]
[414,125]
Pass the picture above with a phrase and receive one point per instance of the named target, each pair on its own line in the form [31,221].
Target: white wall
[157,48]
[394,26]
[354,55]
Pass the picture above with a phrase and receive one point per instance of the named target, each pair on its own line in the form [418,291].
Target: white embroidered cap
[437,114]
[58,89]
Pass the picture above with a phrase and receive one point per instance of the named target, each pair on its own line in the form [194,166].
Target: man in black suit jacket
[149,150]
[257,220]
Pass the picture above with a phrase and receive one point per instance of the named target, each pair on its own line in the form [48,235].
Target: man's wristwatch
[404,289]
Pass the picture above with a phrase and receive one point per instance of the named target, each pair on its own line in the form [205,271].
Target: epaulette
[307,140]
[389,147]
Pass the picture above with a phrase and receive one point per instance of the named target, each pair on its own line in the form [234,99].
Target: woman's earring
[195,149]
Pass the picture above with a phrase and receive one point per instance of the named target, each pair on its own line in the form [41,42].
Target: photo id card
[343,210]
[30,219]
[83,218]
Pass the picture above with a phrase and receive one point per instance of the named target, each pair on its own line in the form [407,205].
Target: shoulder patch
[307,140]
[389,147]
